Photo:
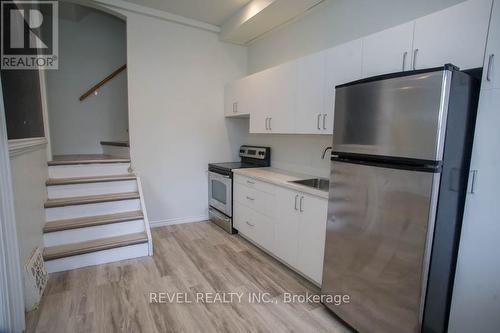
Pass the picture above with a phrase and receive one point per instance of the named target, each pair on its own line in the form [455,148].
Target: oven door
[220,192]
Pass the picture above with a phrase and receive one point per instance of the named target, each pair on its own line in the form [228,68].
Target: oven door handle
[212,174]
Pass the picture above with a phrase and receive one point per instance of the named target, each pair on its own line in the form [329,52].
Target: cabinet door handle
[317,121]
[266,124]
[415,52]
[405,53]
[296,197]
[300,204]
[235,107]
[490,65]
[250,224]
[324,121]
[472,181]
[250,198]
[270,118]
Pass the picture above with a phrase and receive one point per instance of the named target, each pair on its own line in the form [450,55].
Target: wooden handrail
[103,82]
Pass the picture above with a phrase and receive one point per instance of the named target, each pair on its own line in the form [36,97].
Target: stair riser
[76,190]
[97,258]
[101,208]
[123,152]
[92,233]
[88,170]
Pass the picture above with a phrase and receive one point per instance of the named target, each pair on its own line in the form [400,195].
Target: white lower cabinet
[312,233]
[286,226]
[289,224]
[300,230]
[255,226]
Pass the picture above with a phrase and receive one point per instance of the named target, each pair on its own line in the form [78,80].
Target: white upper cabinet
[275,97]
[342,65]
[455,35]
[259,116]
[299,96]
[239,96]
[309,116]
[491,69]
[232,98]
[388,51]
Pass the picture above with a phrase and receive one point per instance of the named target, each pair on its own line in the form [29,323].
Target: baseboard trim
[179,220]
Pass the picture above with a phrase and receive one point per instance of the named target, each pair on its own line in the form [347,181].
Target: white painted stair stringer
[145,217]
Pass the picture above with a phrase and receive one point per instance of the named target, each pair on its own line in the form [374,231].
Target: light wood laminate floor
[188,258]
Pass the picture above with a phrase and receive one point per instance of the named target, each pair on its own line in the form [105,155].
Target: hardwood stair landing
[72,201]
[68,250]
[115,143]
[91,221]
[85,180]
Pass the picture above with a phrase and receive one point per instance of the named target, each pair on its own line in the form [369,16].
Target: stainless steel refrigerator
[399,170]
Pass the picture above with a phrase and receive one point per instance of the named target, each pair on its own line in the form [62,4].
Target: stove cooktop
[228,166]
[251,157]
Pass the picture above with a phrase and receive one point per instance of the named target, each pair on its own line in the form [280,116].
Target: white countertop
[281,178]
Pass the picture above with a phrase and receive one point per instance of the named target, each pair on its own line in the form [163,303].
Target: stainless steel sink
[317,183]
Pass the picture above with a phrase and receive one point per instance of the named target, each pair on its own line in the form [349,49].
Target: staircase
[95,213]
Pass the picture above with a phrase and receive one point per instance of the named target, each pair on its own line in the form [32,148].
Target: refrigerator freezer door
[376,245]
[400,117]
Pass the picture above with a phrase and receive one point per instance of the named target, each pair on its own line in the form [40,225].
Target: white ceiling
[214,12]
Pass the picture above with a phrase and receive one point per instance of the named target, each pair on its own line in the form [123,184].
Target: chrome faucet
[324,152]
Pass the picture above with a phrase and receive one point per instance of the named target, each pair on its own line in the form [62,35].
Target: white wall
[29,173]
[176,78]
[331,23]
[89,50]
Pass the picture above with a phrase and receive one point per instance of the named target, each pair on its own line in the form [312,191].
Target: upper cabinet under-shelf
[298,97]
